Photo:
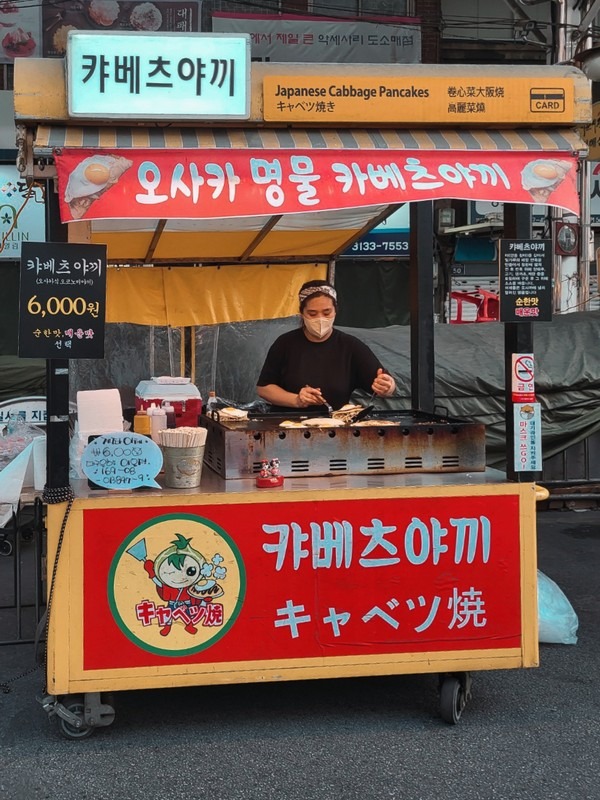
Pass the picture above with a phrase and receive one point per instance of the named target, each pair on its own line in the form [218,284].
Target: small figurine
[269,475]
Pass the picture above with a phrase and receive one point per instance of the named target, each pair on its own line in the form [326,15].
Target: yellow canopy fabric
[182,296]
[250,276]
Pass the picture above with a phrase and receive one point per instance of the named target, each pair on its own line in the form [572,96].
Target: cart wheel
[452,699]
[6,547]
[76,706]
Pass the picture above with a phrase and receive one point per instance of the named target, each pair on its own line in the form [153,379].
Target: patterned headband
[305,293]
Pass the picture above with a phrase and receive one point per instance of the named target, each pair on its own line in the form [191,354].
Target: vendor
[316,364]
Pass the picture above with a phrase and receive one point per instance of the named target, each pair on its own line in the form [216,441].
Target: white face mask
[319,326]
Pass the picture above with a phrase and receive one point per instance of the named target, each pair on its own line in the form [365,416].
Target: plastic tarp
[21,376]
[469,369]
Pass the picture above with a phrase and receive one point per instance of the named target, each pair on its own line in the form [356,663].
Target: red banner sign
[205,184]
[259,582]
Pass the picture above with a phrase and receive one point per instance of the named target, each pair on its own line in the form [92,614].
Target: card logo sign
[547,101]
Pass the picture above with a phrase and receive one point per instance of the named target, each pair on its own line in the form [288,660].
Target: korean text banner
[208,184]
[272,581]
[286,37]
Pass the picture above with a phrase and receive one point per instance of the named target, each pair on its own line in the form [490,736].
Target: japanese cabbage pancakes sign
[62,300]
[188,184]
[158,75]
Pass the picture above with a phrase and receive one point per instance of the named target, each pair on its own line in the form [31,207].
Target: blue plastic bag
[557,619]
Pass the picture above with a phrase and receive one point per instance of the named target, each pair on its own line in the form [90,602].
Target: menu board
[58,18]
[62,300]
[525,280]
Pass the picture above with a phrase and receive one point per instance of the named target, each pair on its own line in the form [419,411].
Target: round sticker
[176,585]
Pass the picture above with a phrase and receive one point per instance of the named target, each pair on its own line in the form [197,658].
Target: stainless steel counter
[214,484]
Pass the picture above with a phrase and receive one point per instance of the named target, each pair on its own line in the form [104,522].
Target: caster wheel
[6,547]
[76,706]
[27,534]
[452,700]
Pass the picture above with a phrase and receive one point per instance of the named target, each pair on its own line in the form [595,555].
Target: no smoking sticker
[523,378]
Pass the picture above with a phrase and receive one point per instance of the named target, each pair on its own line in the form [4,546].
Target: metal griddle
[417,442]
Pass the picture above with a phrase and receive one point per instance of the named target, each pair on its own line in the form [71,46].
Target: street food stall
[385,549]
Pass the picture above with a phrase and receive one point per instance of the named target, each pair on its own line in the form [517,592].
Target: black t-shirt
[337,366]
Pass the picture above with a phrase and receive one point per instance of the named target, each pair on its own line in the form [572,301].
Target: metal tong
[328,406]
[364,412]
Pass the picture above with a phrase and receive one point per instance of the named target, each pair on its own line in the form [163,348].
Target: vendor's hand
[384,384]
[308,396]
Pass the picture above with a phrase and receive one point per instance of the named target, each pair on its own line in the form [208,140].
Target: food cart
[354,567]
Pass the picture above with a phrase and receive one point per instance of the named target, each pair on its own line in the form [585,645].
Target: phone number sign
[62,300]
[376,243]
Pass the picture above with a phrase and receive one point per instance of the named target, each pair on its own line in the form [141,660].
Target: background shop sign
[59,18]
[22,215]
[62,300]
[480,211]
[389,238]
[20,30]
[304,40]
[158,76]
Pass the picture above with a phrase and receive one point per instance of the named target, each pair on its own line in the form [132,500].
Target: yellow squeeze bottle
[142,422]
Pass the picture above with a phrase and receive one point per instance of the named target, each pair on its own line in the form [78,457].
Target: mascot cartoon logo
[176,585]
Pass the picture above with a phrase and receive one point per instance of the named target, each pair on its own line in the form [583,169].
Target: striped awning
[304,243]
[277,238]
[49,138]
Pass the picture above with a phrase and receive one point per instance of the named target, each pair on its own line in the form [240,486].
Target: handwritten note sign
[122,460]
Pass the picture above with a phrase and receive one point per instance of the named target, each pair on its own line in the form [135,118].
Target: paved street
[526,735]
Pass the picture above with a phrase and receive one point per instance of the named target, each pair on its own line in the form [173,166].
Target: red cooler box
[183,396]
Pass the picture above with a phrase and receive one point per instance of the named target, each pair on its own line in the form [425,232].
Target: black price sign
[62,300]
[525,280]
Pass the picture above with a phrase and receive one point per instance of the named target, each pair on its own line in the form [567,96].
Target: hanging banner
[208,184]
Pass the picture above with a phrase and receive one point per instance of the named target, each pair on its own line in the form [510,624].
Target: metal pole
[57,376]
[422,356]
[518,338]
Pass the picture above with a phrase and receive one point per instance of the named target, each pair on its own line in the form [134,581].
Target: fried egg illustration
[540,178]
[91,178]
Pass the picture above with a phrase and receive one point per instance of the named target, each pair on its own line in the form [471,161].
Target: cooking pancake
[372,423]
[323,422]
